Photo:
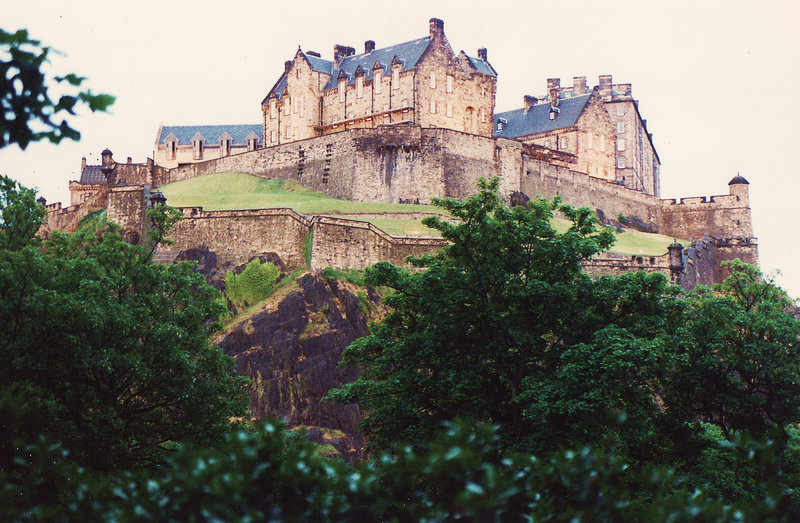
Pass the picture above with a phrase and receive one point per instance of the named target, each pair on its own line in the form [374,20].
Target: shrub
[253,285]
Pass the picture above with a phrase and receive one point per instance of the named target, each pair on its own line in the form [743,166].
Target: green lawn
[243,191]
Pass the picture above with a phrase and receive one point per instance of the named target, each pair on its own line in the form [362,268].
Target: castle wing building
[181,144]
[420,82]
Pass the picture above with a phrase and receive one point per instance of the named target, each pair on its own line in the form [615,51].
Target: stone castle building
[406,123]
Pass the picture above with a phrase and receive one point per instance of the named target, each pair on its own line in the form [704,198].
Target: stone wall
[66,219]
[722,216]
[126,207]
[612,264]
[352,244]
[239,236]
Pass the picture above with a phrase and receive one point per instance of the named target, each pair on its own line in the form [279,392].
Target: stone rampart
[722,216]
[613,264]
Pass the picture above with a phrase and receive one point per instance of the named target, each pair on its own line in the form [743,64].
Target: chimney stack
[342,51]
[529,101]
[579,86]
[369,46]
[437,27]
[130,160]
[482,54]
[287,65]
[83,164]
[553,91]
[606,84]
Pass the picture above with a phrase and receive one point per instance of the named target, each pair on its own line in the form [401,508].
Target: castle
[404,124]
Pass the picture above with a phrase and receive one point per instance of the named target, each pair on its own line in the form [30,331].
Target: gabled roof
[408,54]
[211,133]
[516,123]
[482,66]
[92,174]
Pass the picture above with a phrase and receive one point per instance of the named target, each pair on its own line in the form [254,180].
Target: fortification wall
[612,264]
[352,244]
[722,216]
[126,207]
[66,219]
[239,236]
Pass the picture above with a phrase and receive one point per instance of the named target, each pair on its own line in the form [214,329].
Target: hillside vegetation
[226,191]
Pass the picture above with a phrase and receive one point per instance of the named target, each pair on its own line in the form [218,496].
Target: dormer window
[224,147]
[501,123]
[171,144]
[360,87]
[252,143]
[342,85]
[197,149]
[376,82]
[396,78]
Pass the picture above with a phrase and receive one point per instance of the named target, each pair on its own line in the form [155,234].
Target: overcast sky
[717,81]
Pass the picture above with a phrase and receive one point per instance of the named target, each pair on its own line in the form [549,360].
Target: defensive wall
[409,164]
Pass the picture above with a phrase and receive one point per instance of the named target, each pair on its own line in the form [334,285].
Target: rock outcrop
[291,349]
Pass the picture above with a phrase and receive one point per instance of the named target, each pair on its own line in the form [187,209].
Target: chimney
[553,91]
[482,54]
[369,46]
[313,53]
[130,160]
[579,86]
[287,65]
[437,27]
[83,164]
[605,86]
[342,51]
[529,102]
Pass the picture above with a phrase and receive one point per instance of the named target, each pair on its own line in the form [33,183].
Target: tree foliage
[28,111]
[107,352]
[503,326]
[252,285]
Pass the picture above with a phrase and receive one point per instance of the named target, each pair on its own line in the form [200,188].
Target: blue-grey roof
[279,88]
[481,66]
[211,133]
[408,52]
[517,123]
[92,174]
[318,64]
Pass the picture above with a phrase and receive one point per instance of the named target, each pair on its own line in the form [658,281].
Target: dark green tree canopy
[28,112]
[105,351]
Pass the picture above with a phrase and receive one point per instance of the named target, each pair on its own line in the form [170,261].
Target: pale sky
[716,80]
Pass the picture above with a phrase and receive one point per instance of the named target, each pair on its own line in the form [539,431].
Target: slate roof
[517,123]
[481,66]
[92,174]
[211,133]
[408,52]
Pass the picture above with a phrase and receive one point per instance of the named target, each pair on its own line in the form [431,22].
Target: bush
[253,285]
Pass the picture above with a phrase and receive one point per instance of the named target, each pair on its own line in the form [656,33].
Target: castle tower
[740,188]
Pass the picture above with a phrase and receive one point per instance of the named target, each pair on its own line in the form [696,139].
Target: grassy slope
[243,191]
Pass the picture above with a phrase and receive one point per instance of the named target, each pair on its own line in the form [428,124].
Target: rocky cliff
[290,348]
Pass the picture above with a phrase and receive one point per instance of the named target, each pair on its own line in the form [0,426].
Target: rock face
[291,350]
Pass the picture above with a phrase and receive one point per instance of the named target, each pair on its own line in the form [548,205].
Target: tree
[27,111]
[503,326]
[105,351]
[738,356]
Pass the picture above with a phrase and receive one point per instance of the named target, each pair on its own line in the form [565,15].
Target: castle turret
[740,188]
[107,164]
[676,265]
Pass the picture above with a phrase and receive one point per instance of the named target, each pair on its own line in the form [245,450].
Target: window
[620,127]
[272,136]
[433,106]
[360,87]
[224,147]
[302,105]
[252,144]
[483,115]
[295,106]
[342,86]
[171,150]
[376,82]
[620,110]
[273,106]
[621,144]
[287,106]
[396,78]
[620,162]
[589,140]
[563,143]
[602,143]
[449,109]
[197,149]
[449,85]
[433,80]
